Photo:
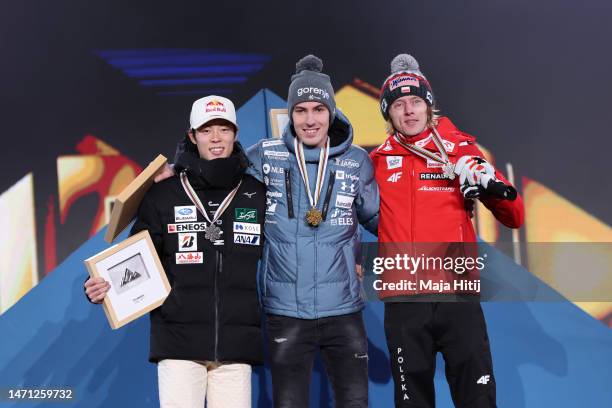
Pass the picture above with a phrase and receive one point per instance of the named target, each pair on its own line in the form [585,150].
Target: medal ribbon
[193,197]
[426,154]
[321,169]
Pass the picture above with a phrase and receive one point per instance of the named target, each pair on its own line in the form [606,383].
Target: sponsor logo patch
[186,227]
[387,146]
[344,201]
[347,163]
[187,241]
[245,214]
[394,178]
[423,142]
[403,81]
[276,155]
[437,189]
[271,204]
[433,176]
[247,228]
[215,106]
[345,221]
[405,89]
[432,164]
[268,143]
[185,213]
[429,97]
[189,258]
[348,188]
[394,162]
[250,195]
[275,194]
[339,174]
[246,239]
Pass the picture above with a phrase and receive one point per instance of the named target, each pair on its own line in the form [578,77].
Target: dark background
[531,79]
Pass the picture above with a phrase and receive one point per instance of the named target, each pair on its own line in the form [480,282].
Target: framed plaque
[137,279]
[279,118]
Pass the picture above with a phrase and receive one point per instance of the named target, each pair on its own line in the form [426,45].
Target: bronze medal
[314,217]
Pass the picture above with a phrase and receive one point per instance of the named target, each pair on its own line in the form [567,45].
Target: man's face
[409,115]
[311,123]
[214,139]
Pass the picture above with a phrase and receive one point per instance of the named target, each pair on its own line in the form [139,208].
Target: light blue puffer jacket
[308,272]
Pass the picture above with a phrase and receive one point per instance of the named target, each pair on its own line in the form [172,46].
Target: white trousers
[186,384]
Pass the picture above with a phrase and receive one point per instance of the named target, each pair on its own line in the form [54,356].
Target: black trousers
[343,344]
[416,331]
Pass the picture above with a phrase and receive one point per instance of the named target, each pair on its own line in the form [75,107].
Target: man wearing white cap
[206,223]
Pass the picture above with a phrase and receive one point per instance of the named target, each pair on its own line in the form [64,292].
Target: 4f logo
[395,177]
[484,380]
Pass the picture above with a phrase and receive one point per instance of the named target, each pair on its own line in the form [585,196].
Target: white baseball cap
[212,107]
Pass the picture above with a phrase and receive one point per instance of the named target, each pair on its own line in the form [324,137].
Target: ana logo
[395,177]
[185,213]
[484,380]
[247,228]
[246,239]
[188,242]
[215,106]
[394,162]
[245,214]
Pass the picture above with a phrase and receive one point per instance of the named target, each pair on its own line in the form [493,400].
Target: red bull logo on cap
[215,106]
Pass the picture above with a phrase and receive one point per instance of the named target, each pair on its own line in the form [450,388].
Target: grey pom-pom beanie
[310,84]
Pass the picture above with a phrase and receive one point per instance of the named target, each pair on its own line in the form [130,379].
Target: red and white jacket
[418,205]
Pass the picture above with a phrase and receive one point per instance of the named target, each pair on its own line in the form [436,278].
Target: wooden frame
[138,281]
[126,203]
[278,120]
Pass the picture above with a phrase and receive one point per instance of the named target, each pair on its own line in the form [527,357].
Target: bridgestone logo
[312,90]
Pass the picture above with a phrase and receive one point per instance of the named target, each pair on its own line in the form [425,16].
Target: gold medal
[314,217]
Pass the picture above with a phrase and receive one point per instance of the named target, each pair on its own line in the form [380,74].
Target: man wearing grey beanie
[319,188]
[429,172]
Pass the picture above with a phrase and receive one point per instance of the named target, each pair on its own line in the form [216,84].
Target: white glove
[475,170]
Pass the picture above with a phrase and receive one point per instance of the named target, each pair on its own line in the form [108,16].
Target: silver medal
[212,233]
[449,170]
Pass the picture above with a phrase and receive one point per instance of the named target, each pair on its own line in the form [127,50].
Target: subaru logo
[185,211]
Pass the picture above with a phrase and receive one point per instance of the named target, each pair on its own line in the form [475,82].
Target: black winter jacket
[212,312]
